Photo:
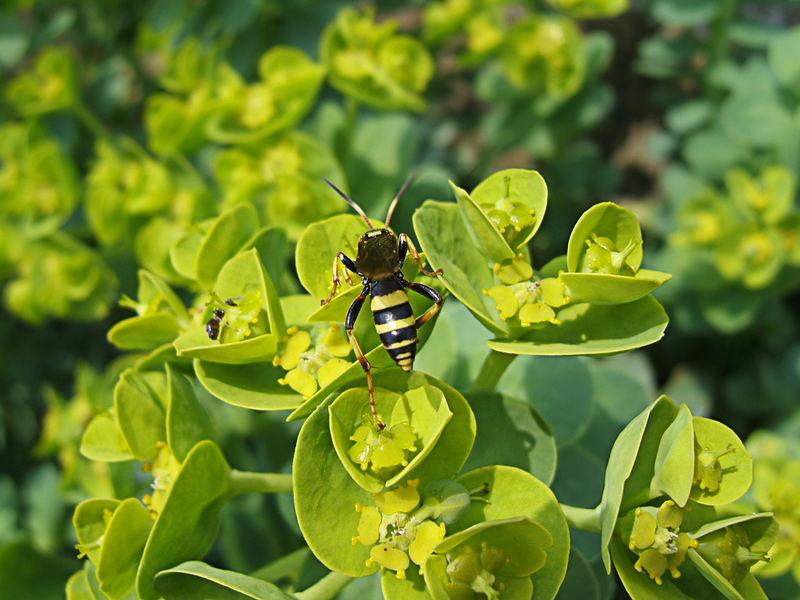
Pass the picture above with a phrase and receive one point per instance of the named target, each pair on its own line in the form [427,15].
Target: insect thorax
[377,254]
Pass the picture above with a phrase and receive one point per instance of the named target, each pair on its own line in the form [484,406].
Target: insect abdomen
[394,322]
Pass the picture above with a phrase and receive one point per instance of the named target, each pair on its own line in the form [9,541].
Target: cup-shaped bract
[370,63]
[249,296]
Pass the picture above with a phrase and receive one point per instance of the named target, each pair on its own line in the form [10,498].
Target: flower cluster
[381,450]
[531,302]
[707,469]
[401,528]
[657,539]
[164,468]
[750,232]
[311,366]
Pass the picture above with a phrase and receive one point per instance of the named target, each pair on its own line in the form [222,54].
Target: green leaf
[424,409]
[714,577]
[607,220]
[226,236]
[620,466]
[140,416]
[144,332]
[317,248]
[513,588]
[152,288]
[521,186]
[711,152]
[523,540]
[90,520]
[737,466]
[685,12]
[78,585]
[254,385]
[187,525]
[328,521]
[187,421]
[674,466]
[580,581]
[242,275]
[195,580]
[411,588]
[446,242]
[152,245]
[515,493]
[605,288]
[184,249]
[782,53]
[593,329]
[103,441]
[121,550]
[511,432]
[482,231]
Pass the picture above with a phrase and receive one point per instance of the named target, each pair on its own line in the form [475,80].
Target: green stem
[326,588]
[492,369]
[246,482]
[586,519]
[718,45]
[91,122]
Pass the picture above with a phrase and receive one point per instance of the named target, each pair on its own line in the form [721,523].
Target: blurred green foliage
[167,158]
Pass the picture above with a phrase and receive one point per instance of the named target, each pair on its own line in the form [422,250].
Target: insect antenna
[396,199]
[350,202]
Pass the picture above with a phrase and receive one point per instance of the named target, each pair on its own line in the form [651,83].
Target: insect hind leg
[349,324]
[428,292]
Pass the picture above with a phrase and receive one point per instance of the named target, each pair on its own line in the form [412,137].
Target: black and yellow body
[394,320]
[378,263]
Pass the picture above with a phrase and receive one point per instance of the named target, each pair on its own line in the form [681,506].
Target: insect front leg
[351,266]
[349,324]
[405,244]
[428,292]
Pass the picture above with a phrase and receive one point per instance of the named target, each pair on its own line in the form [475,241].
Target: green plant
[163,169]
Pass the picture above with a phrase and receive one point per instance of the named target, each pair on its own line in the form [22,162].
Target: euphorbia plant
[399,499]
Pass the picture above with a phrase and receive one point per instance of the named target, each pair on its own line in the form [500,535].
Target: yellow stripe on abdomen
[395,325]
[391,299]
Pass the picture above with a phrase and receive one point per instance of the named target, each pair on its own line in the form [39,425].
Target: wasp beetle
[380,256]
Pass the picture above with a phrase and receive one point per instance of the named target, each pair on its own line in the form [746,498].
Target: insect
[212,325]
[380,256]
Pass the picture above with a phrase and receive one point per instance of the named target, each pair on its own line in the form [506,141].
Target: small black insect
[380,256]
[213,324]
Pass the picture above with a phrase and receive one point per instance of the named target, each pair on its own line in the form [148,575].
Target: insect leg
[428,292]
[349,324]
[347,262]
[405,244]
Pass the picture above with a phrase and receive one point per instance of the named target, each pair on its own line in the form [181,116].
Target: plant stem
[246,482]
[586,519]
[718,44]
[492,369]
[91,122]
[326,588]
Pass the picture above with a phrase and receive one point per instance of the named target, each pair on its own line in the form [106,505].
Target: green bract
[48,87]
[370,63]
[414,421]
[247,113]
[242,277]
[328,521]
[591,9]
[545,52]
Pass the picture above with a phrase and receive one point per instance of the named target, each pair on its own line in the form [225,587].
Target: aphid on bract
[380,256]
[213,324]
